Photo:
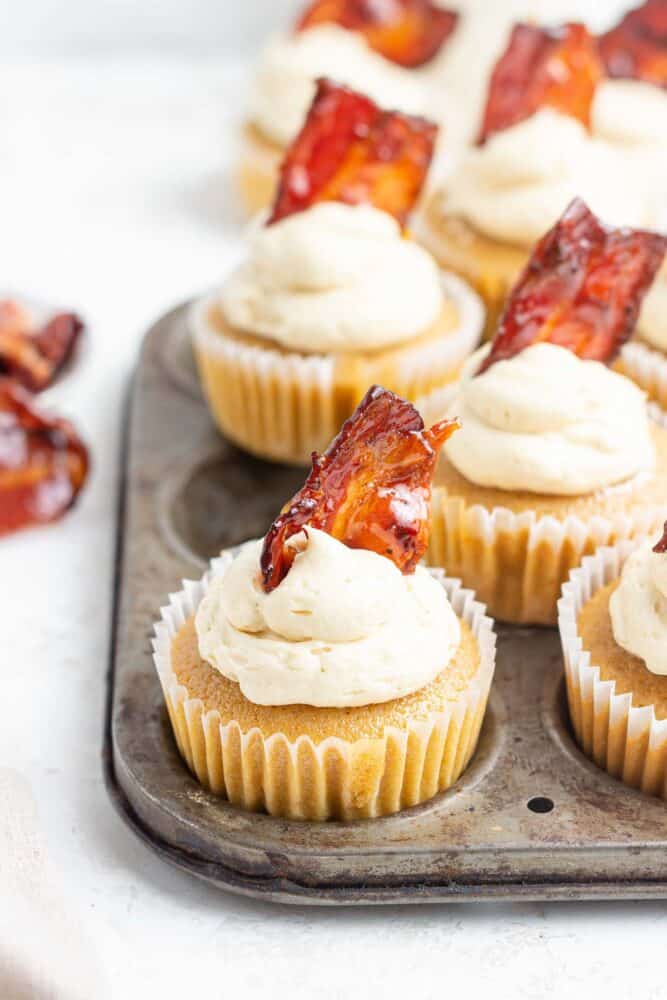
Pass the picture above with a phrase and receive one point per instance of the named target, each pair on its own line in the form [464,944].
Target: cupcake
[613,626]
[553,129]
[321,673]
[644,360]
[558,454]
[333,295]
[381,52]
[462,70]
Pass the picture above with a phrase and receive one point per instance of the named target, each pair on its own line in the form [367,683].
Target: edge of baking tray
[279,889]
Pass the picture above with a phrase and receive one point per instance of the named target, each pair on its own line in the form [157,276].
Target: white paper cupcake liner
[283,405]
[334,778]
[517,563]
[625,740]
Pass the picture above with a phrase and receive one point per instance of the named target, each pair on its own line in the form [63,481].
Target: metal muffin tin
[530,819]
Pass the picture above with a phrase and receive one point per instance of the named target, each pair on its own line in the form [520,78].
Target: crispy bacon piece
[35,356]
[541,68]
[661,546]
[636,48]
[350,150]
[43,462]
[408,32]
[370,489]
[582,289]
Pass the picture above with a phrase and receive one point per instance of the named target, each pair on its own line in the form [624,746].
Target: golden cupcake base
[490,267]
[257,169]
[301,762]
[282,405]
[515,550]
[617,707]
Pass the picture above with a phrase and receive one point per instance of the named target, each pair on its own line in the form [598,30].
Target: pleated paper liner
[647,367]
[625,740]
[282,405]
[335,778]
[517,562]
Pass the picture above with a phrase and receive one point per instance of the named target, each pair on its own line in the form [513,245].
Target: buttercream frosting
[284,84]
[652,324]
[545,421]
[638,608]
[334,278]
[630,113]
[515,186]
[343,628]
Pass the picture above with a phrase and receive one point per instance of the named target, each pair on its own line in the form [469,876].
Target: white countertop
[114,200]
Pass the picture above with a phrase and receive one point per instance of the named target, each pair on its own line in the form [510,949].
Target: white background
[74,27]
[115,141]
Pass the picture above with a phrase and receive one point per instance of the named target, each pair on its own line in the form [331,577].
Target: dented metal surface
[531,819]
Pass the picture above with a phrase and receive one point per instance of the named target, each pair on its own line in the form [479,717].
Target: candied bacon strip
[13,317]
[370,489]
[661,546]
[408,32]
[542,68]
[636,48]
[350,150]
[43,462]
[581,289]
[35,356]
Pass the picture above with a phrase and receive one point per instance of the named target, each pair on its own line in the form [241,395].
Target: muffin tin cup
[334,779]
[625,740]
[646,367]
[282,405]
[517,563]
[530,818]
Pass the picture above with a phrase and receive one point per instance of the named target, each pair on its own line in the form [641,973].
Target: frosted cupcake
[382,52]
[463,68]
[322,674]
[552,130]
[645,359]
[613,626]
[557,454]
[333,295]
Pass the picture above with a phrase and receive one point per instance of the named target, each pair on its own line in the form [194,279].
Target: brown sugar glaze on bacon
[350,150]
[661,546]
[582,289]
[370,489]
[43,462]
[636,48]
[542,68]
[34,356]
[408,32]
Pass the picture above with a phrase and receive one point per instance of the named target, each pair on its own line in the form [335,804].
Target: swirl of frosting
[638,608]
[344,627]
[652,324]
[334,278]
[285,82]
[545,421]
[515,186]
[630,113]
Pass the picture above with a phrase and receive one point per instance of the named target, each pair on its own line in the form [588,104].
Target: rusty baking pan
[531,819]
